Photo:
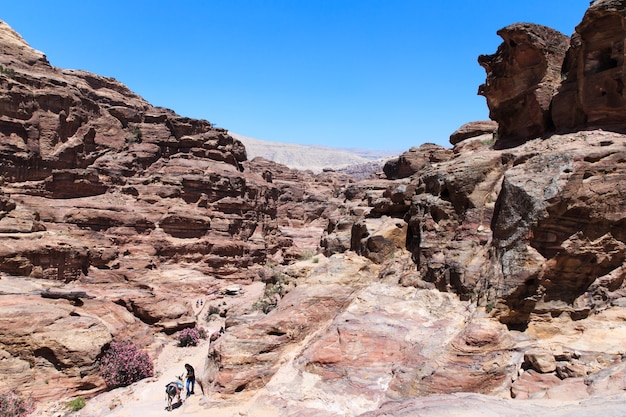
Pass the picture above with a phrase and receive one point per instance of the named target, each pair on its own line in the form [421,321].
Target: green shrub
[306,255]
[489,142]
[9,72]
[135,136]
[202,332]
[137,132]
[212,312]
[265,305]
[76,404]
[276,287]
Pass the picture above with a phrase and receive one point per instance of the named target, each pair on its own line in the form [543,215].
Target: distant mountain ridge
[312,157]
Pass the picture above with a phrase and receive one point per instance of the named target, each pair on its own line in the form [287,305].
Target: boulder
[473,129]
[540,360]
[415,160]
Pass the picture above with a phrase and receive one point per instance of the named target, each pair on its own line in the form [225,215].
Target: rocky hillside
[490,273]
[114,214]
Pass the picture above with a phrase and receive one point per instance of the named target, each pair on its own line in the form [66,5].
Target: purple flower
[124,363]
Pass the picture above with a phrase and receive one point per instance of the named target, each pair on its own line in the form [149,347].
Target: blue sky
[375,74]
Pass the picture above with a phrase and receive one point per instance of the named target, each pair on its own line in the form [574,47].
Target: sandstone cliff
[526,230]
[539,81]
[126,212]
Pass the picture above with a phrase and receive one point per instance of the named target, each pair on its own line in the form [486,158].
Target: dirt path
[147,398]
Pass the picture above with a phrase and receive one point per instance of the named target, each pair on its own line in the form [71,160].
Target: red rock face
[103,194]
[592,93]
[247,356]
[522,77]
[538,228]
[71,135]
[530,238]
[539,81]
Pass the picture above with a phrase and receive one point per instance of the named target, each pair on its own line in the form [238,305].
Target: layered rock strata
[529,236]
[116,216]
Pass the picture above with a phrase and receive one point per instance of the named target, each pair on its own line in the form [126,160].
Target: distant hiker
[191,379]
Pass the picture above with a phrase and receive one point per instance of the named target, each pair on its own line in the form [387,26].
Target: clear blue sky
[376,74]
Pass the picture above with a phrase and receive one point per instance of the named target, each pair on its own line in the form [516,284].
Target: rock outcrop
[473,129]
[487,276]
[522,77]
[414,160]
[540,81]
[592,91]
[527,234]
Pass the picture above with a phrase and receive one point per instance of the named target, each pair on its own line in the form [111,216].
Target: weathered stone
[473,129]
[246,355]
[522,77]
[591,94]
[541,361]
[533,385]
[116,216]
[415,160]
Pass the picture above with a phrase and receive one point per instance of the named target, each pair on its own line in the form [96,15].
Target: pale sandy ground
[147,398]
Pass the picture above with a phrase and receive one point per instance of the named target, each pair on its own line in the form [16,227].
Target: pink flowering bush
[123,363]
[12,405]
[191,336]
[188,337]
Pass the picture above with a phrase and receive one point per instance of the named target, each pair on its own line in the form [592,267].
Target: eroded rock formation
[473,129]
[115,215]
[485,274]
[539,81]
[527,234]
[592,92]
[522,77]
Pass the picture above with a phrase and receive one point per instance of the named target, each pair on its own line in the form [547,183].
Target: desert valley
[487,278]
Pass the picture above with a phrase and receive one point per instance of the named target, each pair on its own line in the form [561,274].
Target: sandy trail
[147,398]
